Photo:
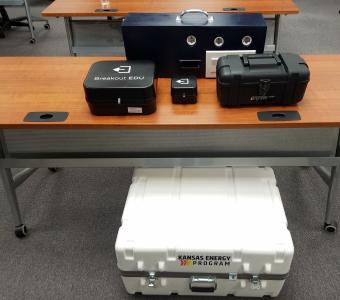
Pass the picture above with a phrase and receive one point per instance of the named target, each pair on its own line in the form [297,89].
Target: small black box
[184,90]
[121,88]
[263,79]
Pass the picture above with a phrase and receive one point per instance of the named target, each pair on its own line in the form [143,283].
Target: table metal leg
[20,177]
[324,174]
[9,186]
[29,21]
[276,31]
[69,34]
[329,225]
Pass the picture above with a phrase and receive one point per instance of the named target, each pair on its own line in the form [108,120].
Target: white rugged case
[204,231]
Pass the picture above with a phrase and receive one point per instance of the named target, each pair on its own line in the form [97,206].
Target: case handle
[203,284]
[247,58]
[210,19]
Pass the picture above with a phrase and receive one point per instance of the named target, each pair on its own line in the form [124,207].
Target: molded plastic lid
[127,79]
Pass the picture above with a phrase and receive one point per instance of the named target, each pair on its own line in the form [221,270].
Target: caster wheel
[32,41]
[53,169]
[331,228]
[47,26]
[21,231]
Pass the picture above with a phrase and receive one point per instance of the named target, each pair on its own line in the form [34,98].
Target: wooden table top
[30,84]
[67,8]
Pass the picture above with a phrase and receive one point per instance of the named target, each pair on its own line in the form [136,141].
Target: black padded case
[261,79]
[121,88]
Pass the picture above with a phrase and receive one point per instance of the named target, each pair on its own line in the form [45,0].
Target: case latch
[255,282]
[264,86]
[152,280]
[232,276]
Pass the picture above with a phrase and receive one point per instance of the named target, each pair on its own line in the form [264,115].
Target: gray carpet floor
[74,214]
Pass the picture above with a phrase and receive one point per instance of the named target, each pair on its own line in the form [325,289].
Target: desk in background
[202,134]
[81,17]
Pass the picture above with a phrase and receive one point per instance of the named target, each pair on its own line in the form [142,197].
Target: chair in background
[26,21]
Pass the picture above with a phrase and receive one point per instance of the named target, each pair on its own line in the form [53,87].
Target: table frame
[41,160]
[86,50]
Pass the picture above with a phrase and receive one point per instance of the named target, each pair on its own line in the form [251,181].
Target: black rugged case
[261,79]
[121,88]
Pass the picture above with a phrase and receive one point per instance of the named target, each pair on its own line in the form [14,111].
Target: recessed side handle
[46,116]
[190,63]
[279,115]
[203,284]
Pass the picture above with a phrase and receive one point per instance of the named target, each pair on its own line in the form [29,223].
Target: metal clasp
[232,276]
[264,86]
[255,282]
[152,280]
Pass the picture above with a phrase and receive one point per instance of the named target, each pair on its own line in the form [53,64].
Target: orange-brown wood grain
[56,84]
[86,8]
